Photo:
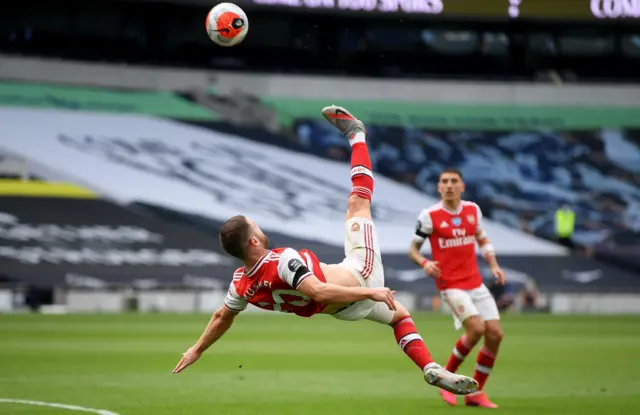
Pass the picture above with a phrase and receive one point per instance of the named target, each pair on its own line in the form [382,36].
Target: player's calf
[488,353]
[405,332]
[474,330]
[459,353]
[359,202]
[412,344]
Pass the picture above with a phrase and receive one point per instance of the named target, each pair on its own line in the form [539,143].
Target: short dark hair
[234,236]
[451,170]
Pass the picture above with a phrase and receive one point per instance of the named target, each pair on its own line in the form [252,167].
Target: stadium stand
[525,149]
[519,177]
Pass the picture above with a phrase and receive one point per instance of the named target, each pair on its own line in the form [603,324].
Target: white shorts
[468,303]
[363,260]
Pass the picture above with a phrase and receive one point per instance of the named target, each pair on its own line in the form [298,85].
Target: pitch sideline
[59,405]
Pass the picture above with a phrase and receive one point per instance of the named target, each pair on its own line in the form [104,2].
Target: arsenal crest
[471,219]
[355,227]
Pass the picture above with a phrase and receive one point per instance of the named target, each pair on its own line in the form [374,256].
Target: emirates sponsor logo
[460,238]
[446,243]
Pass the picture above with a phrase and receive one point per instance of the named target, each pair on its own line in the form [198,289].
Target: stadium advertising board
[571,274]
[195,170]
[494,9]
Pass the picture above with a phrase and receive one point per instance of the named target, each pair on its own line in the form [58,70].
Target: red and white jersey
[272,282]
[452,235]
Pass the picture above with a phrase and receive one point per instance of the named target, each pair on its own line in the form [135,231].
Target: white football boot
[438,376]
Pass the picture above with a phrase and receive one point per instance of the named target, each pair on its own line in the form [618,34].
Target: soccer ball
[227,24]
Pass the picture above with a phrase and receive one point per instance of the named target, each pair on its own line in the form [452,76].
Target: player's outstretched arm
[327,293]
[220,322]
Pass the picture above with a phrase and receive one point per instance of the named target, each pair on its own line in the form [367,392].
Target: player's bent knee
[400,313]
[358,207]
[493,334]
[381,314]
[356,202]
[475,332]
[474,327]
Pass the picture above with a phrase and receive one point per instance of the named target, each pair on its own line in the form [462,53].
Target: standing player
[453,227]
[286,280]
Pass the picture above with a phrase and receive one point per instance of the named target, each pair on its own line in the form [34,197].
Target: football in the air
[227,24]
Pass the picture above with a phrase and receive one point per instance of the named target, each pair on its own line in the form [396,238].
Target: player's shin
[361,175]
[488,353]
[411,342]
[458,354]
[484,366]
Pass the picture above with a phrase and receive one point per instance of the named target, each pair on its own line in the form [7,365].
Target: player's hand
[188,358]
[384,295]
[499,275]
[432,269]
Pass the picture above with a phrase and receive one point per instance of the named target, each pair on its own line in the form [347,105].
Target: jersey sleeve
[480,232]
[424,227]
[292,269]
[233,301]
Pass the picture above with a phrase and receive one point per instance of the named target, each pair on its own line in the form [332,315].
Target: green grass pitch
[285,365]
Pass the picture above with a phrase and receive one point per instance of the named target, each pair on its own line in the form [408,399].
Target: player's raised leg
[359,202]
[363,255]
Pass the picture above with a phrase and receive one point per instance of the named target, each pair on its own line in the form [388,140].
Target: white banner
[192,169]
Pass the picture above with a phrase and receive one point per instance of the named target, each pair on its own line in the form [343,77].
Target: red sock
[484,364]
[361,175]
[411,343]
[459,353]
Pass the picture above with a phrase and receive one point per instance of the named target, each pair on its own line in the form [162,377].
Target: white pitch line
[59,405]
